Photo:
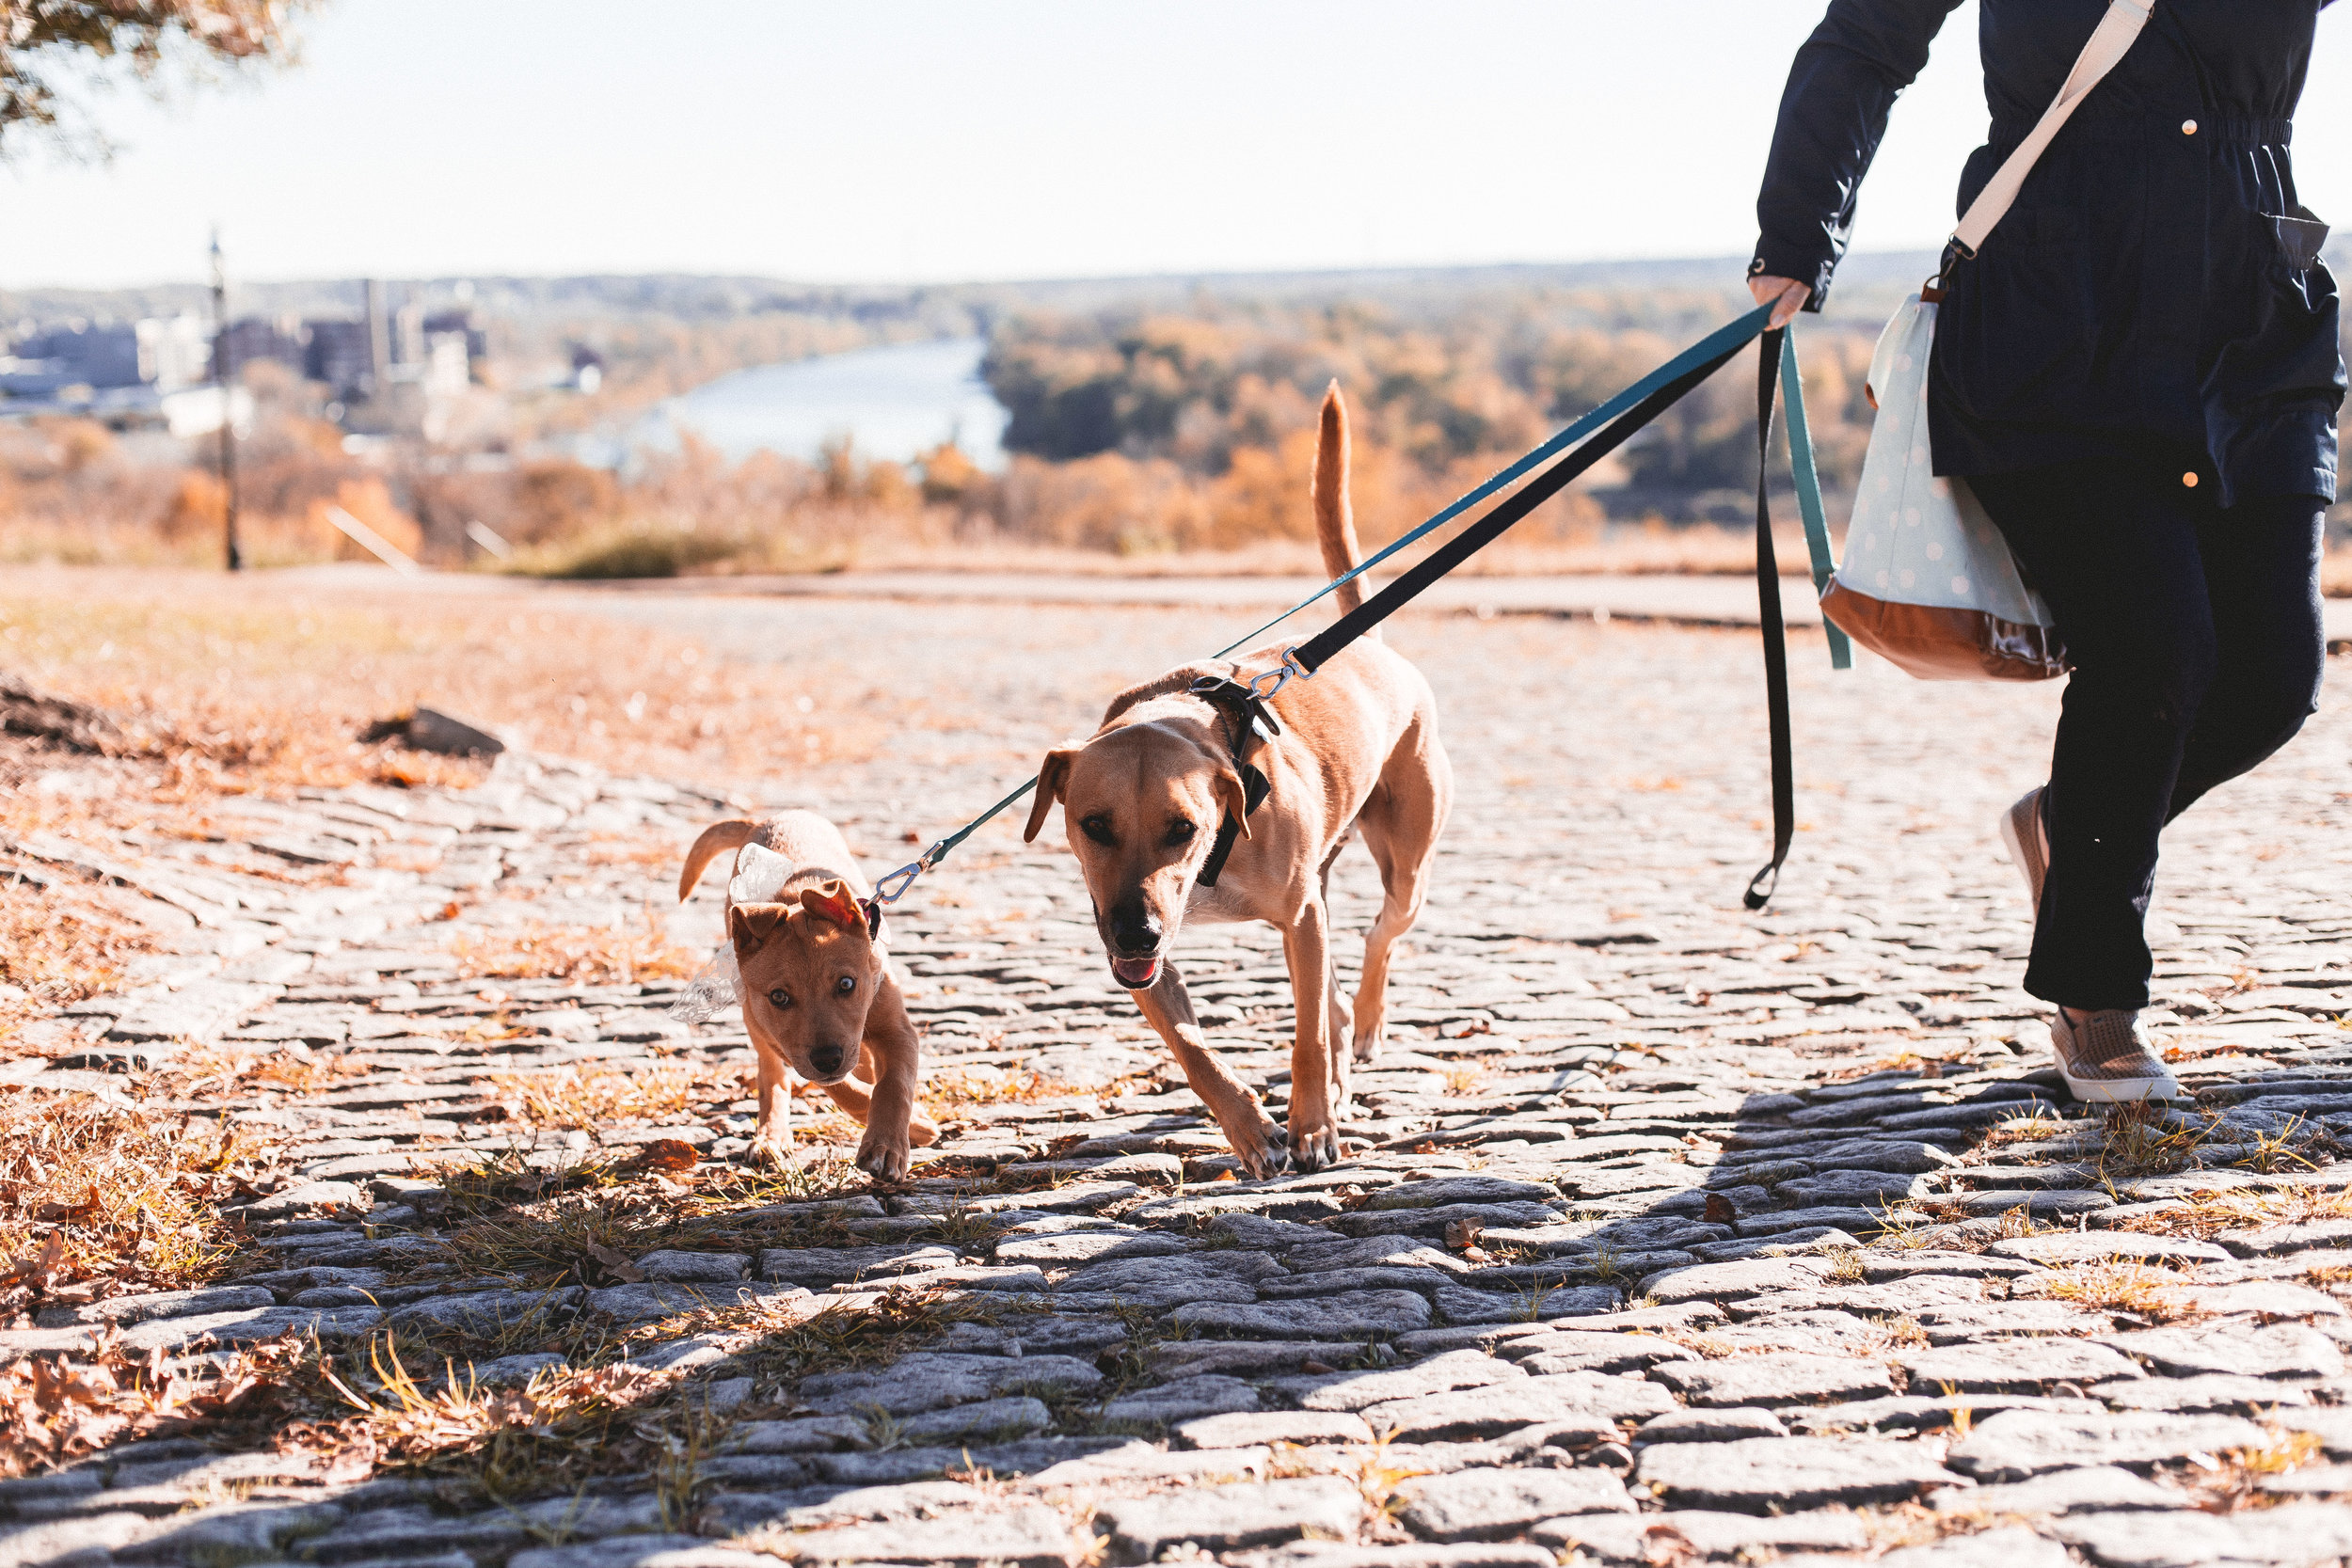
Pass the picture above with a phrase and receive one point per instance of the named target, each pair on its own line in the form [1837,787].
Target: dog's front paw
[1313,1145]
[1370,1039]
[1262,1151]
[884,1157]
[770,1153]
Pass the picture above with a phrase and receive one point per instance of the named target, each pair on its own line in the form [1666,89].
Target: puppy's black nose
[1133,927]
[826,1059]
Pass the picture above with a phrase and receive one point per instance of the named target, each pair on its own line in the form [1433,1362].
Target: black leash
[1760,886]
[1320,649]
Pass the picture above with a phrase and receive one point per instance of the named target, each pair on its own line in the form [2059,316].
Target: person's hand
[1786,296]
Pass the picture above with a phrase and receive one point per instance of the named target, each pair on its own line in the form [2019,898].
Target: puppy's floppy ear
[1235,799]
[751,925]
[1053,775]
[832,900]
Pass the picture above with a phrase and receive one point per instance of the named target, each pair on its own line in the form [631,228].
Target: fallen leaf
[1461,1235]
[666,1154]
[1719,1210]
[617,1264]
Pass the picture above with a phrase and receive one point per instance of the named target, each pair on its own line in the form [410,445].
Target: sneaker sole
[2122,1091]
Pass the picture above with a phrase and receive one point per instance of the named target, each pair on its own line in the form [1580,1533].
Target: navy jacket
[2155,292]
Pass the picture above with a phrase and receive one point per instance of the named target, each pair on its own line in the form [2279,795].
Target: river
[892,402]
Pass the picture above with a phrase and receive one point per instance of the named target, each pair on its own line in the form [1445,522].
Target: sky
[942,141]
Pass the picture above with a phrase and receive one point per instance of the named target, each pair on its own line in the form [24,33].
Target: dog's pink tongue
[1134,973]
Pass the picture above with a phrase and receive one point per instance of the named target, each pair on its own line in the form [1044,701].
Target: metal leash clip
[890,889]
[1265,683]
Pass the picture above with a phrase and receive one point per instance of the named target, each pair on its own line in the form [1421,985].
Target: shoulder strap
[2109,42]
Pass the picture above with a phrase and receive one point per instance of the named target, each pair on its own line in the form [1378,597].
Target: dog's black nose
[826,1059]
[1133,927]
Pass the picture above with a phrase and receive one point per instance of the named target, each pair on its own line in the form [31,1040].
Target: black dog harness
[1253,723]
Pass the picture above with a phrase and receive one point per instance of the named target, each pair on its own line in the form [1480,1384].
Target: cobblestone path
[1670,1234]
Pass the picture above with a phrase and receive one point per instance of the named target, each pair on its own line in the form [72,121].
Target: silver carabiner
[890,889]
[1263,685]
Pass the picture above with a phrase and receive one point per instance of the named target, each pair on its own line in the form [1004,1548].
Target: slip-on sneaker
[2106,1059]
[2028,842]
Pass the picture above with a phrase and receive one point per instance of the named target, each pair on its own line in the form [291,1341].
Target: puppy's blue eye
[779,998]
[845,985]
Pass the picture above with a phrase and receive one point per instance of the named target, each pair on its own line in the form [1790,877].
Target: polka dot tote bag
[1927,583]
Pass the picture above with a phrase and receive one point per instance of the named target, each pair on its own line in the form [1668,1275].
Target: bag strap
[1760,886]
[2109,42]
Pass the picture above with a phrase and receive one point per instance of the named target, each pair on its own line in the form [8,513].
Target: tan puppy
[1143,800]
[819,992]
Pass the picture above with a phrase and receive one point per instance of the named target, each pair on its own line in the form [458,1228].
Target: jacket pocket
[2301,236]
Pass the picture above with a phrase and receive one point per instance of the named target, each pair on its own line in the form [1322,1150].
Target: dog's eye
[779,998]
[847,984]
[1097,829]
[1181,831]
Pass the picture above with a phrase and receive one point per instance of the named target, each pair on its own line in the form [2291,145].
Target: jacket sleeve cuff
[1773,260]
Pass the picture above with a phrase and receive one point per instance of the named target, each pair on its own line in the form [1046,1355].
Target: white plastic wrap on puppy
[759,875]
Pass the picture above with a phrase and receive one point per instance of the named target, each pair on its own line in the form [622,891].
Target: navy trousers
[2197,647]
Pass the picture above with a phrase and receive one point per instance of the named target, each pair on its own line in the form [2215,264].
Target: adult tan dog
[1143,801]
[818,993]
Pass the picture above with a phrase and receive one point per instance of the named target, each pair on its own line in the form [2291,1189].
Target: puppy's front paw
[1313,1145]
[884,1157]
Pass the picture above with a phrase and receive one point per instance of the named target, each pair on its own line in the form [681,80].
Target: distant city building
[259,340]
[149,373]
[340,354]
[166,353]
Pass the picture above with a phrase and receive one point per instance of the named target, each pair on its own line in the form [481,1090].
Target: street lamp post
[222,376]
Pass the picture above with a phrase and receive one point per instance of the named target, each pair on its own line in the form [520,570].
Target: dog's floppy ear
[832,900]
[1053,774]
[1233,798]
[752,925]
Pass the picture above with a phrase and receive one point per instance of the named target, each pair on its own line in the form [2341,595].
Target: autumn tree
[53,52]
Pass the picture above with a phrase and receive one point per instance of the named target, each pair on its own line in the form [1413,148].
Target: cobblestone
[1664,1229]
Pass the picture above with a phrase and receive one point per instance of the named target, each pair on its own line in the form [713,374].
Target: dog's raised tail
[720,838]
[1335,520]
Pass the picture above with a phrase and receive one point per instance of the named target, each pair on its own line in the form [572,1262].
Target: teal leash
[1809,496]
[1681,364]
[891,888]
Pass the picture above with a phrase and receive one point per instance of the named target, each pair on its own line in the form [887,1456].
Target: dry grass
[564,1428]
[294,1068]
[584,954]
[2119,1286]
[991,1087]
[59,944]
[2205,1216]
[277,676]
[56,1411]
[98,1198]
[591,1097]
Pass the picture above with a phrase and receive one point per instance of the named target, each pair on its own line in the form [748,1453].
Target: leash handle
[1769,362]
